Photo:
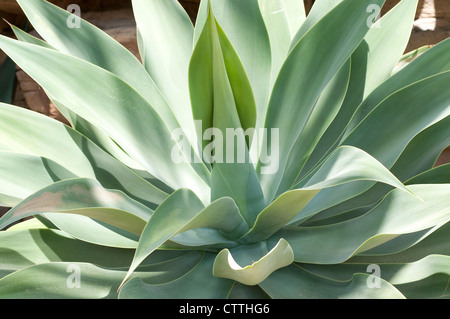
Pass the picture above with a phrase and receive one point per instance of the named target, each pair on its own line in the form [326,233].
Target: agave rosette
[340,182]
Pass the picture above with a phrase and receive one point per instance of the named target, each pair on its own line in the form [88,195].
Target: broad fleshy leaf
[288,207]
[206,287]
[181,212]
[278,257]
[23,175]
[251,41]
[307,70]
[84,197]
[296,282]
[399,213]
[166,43]
[372,64]
[59,143]
[136,139]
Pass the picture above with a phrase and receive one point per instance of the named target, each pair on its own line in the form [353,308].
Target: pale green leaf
[372,64]
[84,197]
[226,267]
[250,39]
[23,175]
[345,165]
[309,67]
[27,132]
[52,70]
[181,212]
[294,282]
[399,213]
[198,283]
[166,33]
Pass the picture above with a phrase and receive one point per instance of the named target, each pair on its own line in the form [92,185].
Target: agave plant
[324,188]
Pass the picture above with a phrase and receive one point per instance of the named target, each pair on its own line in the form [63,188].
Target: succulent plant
[262,153]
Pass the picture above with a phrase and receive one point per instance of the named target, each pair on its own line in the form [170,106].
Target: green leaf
[183,211]
[201,78]
[85,197]
[241,291]
[309,67]
[95,46]
[23,175]
[383,124]
[77,122]
[407,58]
[409,248]
[398,274]
[134,135]
[294,282]
[372,64]
[31,223]
[27,132]
[249,38]
[223,106]
[319,9]
[28,38]
[400,130]
[426,65]
[76,280]
[425,148]
[93,231]
[24,248]
[325,110]
[289,206]
[226,267]
[205,285]
[166,34]
[282,18]
[7,80]
[436,175]
[399,213]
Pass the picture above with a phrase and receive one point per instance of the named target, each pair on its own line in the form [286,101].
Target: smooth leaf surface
[295,282]
[396,274]
[397,214]
[251,41]
[201,78]
[401,129]
[319,9]
[28,247]
[206,287]
[166,33]
[226,267]
[226,106]
[289,207]
[85,197]
[325,110]
[426,65]
[328,45]
[372,64]
[428,242]
[93,45]
[133,135]
[75,280]
[23,175]
[47,138]
[181,212]
[282,19]
[78,123]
